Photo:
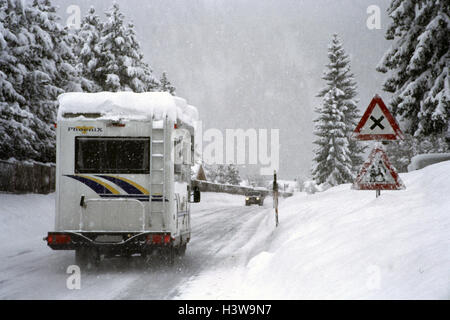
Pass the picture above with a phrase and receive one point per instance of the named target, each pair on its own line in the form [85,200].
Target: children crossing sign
[377,123]
[377,173]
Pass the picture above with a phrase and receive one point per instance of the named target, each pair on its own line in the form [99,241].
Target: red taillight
[157,238]
[56,125]
[58,239]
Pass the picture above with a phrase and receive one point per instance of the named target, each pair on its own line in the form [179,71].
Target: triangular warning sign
[377,173]
[377,123]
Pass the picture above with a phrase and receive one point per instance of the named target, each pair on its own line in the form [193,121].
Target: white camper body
[123,174]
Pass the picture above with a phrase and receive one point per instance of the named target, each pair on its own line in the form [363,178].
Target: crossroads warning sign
[377,173]
[377,123]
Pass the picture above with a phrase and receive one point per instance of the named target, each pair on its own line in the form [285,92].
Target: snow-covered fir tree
[210,171]
[122,63]
[52,71]
[151,83]
[215,172]
[337,156]
[232,175]
[43,66]
[417,64]
[88,51]
[17,139]
[40,59]
[166,85]
[222,173]
[257,180]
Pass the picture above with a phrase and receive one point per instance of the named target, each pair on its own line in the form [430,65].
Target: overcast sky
[256,63]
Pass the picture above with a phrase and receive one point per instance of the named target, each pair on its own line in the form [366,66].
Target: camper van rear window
[112,155]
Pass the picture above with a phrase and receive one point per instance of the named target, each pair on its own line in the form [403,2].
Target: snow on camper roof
[125,106]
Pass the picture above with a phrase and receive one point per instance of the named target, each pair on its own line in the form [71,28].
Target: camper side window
[112,155]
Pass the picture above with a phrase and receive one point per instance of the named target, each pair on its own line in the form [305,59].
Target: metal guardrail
[206,186]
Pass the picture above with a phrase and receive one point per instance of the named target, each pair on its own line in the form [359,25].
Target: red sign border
[398,185]
[392,136]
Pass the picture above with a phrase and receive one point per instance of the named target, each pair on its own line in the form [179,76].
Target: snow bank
[311,187]
[127,106]
[422,160]
[26,219]
[343,243]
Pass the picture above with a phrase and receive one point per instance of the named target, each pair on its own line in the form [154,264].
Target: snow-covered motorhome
[123,163]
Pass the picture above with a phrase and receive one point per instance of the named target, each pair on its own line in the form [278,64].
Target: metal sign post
[275,197]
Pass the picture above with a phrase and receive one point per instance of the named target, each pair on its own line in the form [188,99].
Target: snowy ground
[337,244]
[30,270]
[343,244]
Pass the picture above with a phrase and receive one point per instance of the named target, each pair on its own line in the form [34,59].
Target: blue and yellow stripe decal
[105,190]
[129,186]
[97,185]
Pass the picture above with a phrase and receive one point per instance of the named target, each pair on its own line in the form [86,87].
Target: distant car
[254,197]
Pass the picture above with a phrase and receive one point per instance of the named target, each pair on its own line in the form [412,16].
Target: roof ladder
[157,171]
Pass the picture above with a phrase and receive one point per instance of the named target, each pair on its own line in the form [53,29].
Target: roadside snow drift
[341,244]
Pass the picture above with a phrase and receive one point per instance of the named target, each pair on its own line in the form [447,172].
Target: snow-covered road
[30,270]
[337,244]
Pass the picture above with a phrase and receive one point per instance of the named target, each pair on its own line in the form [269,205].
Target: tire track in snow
[214,232]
